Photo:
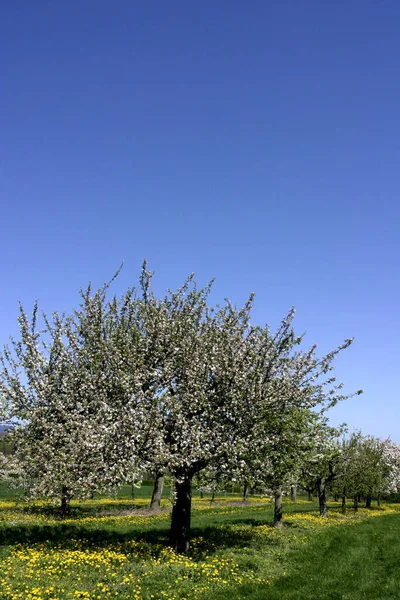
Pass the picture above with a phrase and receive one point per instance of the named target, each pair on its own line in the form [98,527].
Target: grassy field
[113,548]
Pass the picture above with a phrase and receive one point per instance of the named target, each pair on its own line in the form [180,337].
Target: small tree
[319,469]
[391,459]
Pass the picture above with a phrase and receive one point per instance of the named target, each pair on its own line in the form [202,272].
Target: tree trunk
[344,507]
[379,499]
[155,503]
[172,490]
[293,493]
[278,513]
[355,503]
[65,500]
[368,501]
[201,494]
[180,523]
[245,492]
[212,497]
[310,496]
[323,509]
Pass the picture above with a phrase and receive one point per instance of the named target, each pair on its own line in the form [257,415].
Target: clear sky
[258,143]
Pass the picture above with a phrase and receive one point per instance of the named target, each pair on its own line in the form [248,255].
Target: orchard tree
[66,385]
[391,458]
[366,467]
[346,467]
[158,488]
[210,481]
[284,387]
[10,469]
[362,469]
[170,385]
[39,385]
[374,473]
[320,467]
[199,407]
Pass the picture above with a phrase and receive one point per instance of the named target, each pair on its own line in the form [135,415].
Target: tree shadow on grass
[81,510]
[206,540]
[63,533]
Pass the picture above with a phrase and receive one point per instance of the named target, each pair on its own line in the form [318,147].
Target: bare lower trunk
[172,490]
[245,492]
[65,500]
[344,506]
[379,499]
[180,523]
[368,501]
[212,497]
[355,503]
[310,498]
[323,508]
[155,503]
[293,493]
[278,512]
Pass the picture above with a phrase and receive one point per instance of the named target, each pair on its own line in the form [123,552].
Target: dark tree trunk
[65,500]
[379,499]
[245,492]
[310,496]
[201,494]
[293,493]
[212,497]
[355,503]
[344,507]
[155,503]
[180,523]
[323,509]
[336,498]
[278,512]
[368,501]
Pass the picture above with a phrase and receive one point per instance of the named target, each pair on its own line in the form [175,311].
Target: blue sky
[256,143]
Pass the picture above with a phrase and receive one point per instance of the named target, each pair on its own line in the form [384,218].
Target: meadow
[114,548]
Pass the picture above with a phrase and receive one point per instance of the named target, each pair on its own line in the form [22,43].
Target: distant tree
[320,466]
[285,386]
[391,459]
[367,467]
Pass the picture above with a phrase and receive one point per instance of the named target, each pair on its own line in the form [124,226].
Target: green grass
[6,492]
[107,550]
[350,563]
[124,492]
